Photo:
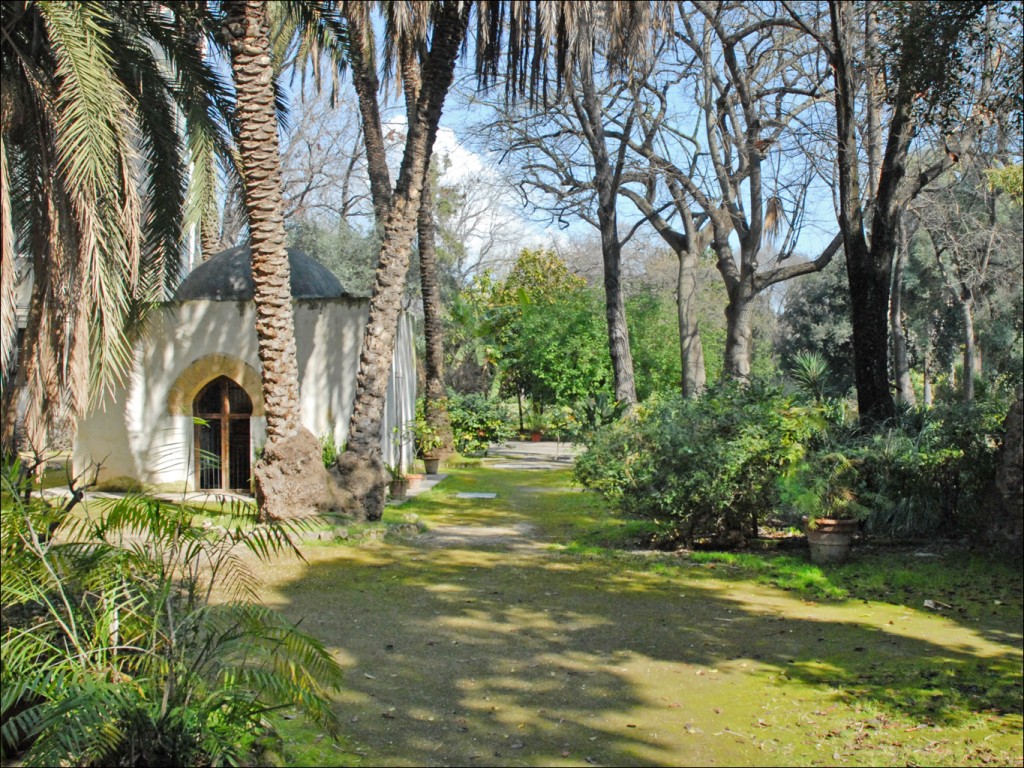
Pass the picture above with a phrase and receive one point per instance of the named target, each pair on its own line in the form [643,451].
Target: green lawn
[532,644]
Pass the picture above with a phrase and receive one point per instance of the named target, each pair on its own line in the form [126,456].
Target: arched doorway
[223,459]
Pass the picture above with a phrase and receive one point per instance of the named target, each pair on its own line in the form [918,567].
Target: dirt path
[477,642]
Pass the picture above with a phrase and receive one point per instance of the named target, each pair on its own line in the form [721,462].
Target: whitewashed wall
[137,433]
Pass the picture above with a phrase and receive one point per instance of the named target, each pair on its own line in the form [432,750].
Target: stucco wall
[145,430]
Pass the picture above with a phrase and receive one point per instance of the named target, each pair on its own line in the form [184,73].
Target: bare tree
[425,41]
[568,156]
[742,170]
[477,226]
[323,169]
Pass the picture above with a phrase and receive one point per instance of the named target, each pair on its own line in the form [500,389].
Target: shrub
[114,653]
[705,467]
[928,473]
[711,466]
[477,422]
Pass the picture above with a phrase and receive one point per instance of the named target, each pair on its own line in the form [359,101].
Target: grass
[583,649]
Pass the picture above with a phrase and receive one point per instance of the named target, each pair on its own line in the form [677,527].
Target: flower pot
[830,539]
[398,489]
[431,465]
[535,436]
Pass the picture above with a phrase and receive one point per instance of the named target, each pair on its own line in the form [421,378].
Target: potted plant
[399,484]
[429,444]
[536,425]
[823,489]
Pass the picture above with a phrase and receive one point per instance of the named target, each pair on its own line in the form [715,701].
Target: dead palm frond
[774,216]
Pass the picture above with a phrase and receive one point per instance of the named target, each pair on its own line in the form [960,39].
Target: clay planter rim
[832,524]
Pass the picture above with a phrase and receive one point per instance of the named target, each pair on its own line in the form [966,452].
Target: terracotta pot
[535,437]
[431,465]
[830,539]
[398,489]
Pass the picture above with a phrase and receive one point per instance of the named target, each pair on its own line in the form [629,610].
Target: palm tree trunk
[290,478]
[435,401]
[361,466]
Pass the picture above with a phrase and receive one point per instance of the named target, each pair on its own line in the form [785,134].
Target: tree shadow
[486,656]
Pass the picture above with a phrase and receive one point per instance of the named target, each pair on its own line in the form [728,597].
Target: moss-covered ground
[522,630]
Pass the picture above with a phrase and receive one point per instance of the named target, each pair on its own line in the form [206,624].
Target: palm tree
[523,34]
[290,478]
[397,210]
[93,190]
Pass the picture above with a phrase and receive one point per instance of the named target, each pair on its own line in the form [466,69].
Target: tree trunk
[361,466]
[691,351]
[615,314]
[900,362]
[209,223]
[926,389]
[1005,527]
[290,478]
[435,400]
[867,268]
[736,362]
[29,370]
[737,336]
[970,345]
[869,317]
[607,182]
[688,245]
[8,272]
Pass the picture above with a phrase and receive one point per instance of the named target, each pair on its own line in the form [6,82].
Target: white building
[191,414]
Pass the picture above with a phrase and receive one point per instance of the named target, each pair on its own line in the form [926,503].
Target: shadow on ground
[501,652]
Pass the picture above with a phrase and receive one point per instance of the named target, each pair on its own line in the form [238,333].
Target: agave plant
[810,373]
[131,637]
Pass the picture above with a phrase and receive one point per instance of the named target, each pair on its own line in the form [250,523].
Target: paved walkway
[515,454]
[522,454]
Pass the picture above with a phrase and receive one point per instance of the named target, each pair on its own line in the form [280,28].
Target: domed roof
[227,276]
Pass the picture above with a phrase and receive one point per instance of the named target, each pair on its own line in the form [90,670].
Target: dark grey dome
[227,276]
